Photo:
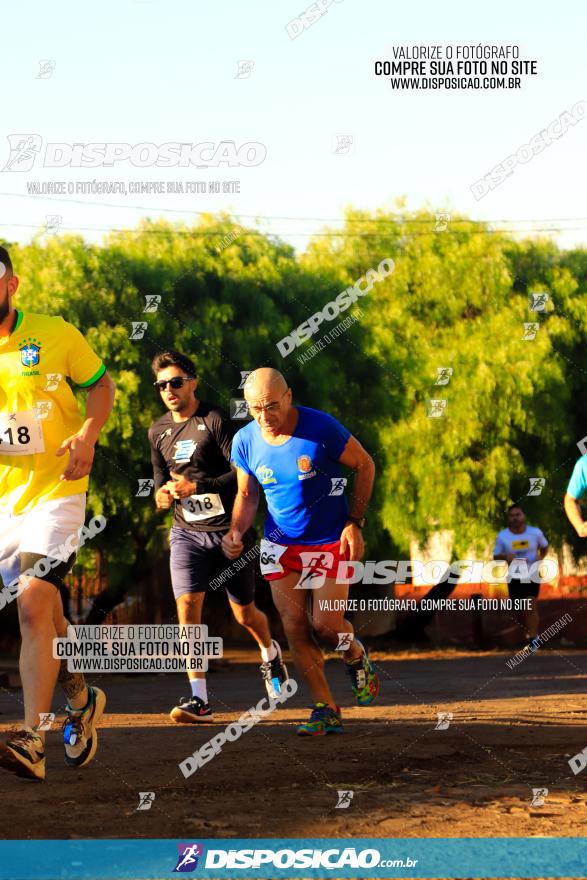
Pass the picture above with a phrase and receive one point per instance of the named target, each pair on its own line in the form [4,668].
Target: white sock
[199,689]
[269,653]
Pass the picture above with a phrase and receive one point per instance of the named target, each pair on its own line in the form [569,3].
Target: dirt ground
[511,731]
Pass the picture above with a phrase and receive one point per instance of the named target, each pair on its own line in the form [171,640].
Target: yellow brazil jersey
[38,410]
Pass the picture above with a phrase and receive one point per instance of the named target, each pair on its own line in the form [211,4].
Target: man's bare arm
[573,511]
[243,513]
[245,503]
[358,459]
[99,403]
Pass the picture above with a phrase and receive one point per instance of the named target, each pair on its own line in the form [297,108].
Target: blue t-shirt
[578,482]
[301,478]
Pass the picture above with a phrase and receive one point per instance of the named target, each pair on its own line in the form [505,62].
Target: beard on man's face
[182,401]
[4,309]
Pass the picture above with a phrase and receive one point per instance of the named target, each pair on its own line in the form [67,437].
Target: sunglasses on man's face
[175,383]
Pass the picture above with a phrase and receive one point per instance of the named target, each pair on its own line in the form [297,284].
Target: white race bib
[269,557]
[199,507]
[20,434]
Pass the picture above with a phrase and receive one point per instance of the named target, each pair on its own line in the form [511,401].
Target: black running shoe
[274,673]
[191,710]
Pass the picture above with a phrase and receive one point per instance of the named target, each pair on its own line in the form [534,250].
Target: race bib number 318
[20,434]
[199,507]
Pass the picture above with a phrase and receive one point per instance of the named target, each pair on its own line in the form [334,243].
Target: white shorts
[50,529]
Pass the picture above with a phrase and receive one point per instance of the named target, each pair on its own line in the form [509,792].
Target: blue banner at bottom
[295,858]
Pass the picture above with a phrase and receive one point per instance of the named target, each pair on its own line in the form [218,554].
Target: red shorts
[315,562]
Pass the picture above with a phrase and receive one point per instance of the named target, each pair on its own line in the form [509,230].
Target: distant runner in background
[521,541]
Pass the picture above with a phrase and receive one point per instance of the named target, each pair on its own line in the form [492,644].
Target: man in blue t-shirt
[295,454]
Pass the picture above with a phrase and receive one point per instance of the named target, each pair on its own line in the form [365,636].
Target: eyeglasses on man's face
[268,407]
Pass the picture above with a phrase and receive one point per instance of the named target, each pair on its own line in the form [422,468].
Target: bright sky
[149,71]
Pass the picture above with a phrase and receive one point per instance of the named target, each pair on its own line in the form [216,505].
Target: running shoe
[191,710]
[23,753]
[274,673]
[80,737]
[324,719]
[364,679]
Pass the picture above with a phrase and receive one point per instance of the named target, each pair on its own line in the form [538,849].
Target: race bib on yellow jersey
[21,433]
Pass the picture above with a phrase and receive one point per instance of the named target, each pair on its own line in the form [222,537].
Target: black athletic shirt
[198,449]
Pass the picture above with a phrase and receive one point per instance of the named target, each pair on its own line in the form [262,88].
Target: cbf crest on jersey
[30,352]
[184,449]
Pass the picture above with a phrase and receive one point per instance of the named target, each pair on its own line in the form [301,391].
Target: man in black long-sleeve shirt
[190,453]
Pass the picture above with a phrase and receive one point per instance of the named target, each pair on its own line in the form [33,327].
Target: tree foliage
[456,299]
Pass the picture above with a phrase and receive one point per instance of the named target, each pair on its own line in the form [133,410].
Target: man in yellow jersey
[46,454]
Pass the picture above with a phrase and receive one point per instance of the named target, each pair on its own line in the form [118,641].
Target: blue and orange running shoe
[80,734]
[324,719]
[364,679]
